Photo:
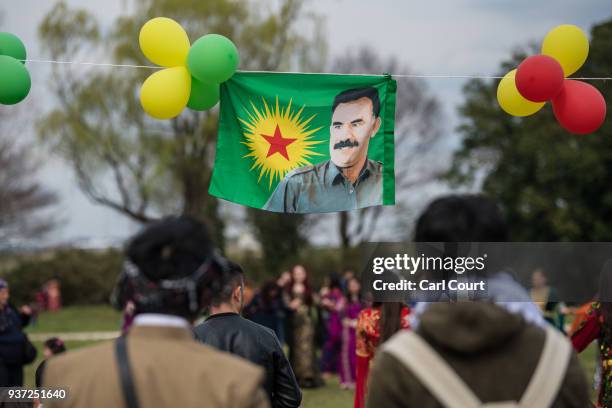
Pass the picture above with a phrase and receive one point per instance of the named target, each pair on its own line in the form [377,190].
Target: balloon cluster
[15,79]
[192,75]
[579,107]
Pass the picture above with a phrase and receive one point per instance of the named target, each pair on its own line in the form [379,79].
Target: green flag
[304,143]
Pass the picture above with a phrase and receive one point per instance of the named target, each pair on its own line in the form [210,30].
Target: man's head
[538,278]
[458,219]
[169,268]
[231,293]
[4,293]
[355,119]
[461,218]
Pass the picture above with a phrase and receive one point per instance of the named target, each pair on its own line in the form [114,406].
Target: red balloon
[539,78]
[580,108]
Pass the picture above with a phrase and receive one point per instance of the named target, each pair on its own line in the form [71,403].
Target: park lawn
[77,319]
[104,318]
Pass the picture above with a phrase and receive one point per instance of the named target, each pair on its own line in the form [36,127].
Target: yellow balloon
[164,42]
[512,101]
[567,44]
[165,94]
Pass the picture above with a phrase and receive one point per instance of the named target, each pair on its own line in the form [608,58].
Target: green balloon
[12,46]
[213,59]
[203,96]
[15,81]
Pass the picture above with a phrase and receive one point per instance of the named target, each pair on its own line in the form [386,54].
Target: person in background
[227,331]
[375,325]
[171,270]
[268,309]
[248,292]
[54,295]
[50,297]
[284,329]
[302,353]
[15,348]
[52,347]
[597,326]
[546,298]
[347,275]
[333,303]
[349,315]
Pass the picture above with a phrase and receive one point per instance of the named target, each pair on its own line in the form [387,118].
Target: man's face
[353,124]
[4,297]
[538,279]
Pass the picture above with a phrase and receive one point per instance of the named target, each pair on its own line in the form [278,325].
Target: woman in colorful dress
[332,302]
[375,325]
[350,313]
[302,351]
[598,326]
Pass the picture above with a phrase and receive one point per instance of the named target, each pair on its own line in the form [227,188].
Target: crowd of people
[510,347]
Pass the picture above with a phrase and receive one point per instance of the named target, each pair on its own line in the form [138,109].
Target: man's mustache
[346,143]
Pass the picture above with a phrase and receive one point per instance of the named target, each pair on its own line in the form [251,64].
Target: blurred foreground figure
[170,272]
[475,353]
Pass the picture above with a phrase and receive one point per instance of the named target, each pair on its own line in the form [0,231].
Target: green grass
[328,396]
[78,319]
[104,318]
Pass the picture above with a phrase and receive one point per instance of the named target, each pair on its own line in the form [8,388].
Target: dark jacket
[493,351]
[12,346]
[258,344]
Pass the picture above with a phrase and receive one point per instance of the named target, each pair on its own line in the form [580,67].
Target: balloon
[12,46]
[511,100]
[213,59]
[580,108]
[539,78]
[567,44]
[164,94]
[164,42]
[203,96]
[15,81]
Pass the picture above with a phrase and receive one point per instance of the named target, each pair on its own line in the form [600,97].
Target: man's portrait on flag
[300,143]
[348,179]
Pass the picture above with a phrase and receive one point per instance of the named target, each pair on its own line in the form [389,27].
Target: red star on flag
[278,144]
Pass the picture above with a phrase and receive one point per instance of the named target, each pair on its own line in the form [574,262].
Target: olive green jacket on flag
[306,143]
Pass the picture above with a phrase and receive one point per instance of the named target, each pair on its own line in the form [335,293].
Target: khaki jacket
[170,369]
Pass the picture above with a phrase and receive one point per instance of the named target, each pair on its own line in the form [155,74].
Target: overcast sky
[456,37]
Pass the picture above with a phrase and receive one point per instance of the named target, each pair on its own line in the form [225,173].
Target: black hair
[390,320]
[461,218]
[39,374]
[334,281]
[171,248]
[168,250]
[233,277]
[351,95]
[55,344]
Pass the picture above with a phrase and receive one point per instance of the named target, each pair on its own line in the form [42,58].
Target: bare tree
[122,159]
[22,199]
[417,130]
